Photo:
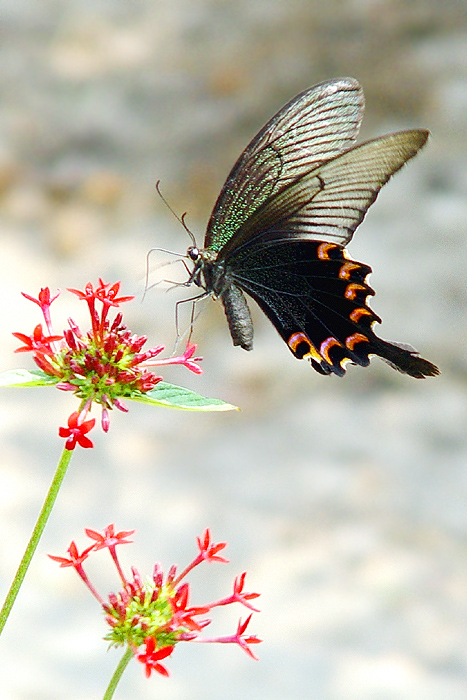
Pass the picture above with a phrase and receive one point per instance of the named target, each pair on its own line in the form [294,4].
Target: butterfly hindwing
[315,296]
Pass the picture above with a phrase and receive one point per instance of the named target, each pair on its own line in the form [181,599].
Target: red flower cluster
[102,366]
[152,616]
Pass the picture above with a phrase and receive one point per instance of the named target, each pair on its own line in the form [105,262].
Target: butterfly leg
[193,317]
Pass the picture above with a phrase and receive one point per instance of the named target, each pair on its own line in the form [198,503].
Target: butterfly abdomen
[217,281]
[238,316]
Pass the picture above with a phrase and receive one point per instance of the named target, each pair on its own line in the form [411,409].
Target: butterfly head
[208,271]
[193,253]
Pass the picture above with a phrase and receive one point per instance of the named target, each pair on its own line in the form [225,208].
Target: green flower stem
[36,535]
[124,661]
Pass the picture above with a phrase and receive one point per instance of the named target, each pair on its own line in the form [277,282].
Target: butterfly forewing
[314,127]
[351,183]
[329,202]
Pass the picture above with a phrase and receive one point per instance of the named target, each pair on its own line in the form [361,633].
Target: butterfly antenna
[190,233]
[180,219]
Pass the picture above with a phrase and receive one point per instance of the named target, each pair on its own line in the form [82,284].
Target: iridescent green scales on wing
[229,220]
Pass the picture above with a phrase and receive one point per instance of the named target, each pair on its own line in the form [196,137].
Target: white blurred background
[344,499]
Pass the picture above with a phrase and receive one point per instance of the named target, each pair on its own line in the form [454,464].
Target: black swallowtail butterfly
[280,225]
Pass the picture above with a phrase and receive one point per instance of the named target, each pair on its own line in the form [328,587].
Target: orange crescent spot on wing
[325,347]
[352,340]
[346,269]
[324,249]
[297,338]
[358,313]
[352,289]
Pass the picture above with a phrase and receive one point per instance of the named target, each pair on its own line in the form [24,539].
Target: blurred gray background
[344,499]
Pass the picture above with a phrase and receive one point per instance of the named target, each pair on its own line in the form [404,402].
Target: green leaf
[173,396]
[26,377]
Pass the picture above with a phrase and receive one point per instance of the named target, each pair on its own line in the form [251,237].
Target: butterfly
[279,228]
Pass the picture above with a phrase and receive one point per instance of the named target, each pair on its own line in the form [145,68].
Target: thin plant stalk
[124,661]
[36,535]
